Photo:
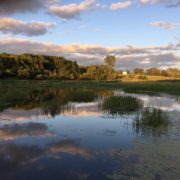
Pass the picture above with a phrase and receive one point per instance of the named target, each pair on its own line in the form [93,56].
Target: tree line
[170,72]
[29,66]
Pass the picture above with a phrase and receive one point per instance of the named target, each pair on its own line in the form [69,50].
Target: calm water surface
[44,134]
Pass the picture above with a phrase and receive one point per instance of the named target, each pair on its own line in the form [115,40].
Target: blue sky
[104,25]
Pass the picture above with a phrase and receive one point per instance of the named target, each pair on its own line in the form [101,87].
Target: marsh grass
[82,96]
[152,118]
[121,104]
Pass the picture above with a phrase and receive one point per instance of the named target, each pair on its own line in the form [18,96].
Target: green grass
[169,87]
[82,96]
[152,118]
[121,104]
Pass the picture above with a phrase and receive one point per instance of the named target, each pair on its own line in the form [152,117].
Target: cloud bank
[127,57]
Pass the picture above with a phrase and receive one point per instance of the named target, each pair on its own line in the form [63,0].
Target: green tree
[139,71]
[37,67]
[153,72]
[110,61]
[173,72]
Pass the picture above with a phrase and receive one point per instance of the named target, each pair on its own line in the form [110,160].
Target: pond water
[52,133]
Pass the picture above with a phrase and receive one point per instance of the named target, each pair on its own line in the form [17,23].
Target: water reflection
[55,101]
[48,102]
[177,99]
[20,114]
[164,102]
[52,132]
[13,158]
[71,147]
[157,159]
[13,131]
[150,132]
[82,109]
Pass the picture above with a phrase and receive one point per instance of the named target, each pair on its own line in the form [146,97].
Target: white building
[124,72]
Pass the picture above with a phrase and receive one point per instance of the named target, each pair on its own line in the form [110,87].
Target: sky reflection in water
[47,136]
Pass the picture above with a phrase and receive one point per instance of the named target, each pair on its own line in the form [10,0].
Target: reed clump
[121,104]
[152,118]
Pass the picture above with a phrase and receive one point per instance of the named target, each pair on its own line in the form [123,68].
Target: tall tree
[110,61]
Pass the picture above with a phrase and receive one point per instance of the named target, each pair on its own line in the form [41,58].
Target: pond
[63,133]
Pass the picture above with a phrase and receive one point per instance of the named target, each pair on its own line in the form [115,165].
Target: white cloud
[73,10]
[164,24]
[121,5]
[14,26]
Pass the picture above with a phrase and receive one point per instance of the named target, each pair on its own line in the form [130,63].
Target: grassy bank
[169,87]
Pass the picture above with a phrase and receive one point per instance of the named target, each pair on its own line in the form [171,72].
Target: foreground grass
[169,87]
[121,104]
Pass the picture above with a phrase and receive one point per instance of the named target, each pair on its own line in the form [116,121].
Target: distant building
[124,73]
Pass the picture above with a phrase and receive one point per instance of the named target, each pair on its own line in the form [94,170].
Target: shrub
[142,77]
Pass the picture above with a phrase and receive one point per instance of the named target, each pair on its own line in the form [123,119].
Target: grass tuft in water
[121,104]
[152,118]
[82,96]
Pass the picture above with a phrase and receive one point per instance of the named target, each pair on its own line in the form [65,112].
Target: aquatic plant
[152,118]
[121,104]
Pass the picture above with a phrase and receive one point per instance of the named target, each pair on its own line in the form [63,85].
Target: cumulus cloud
[94,54]
[73,10]
[121,5]
[164,24]
[14,26]
[16,6]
